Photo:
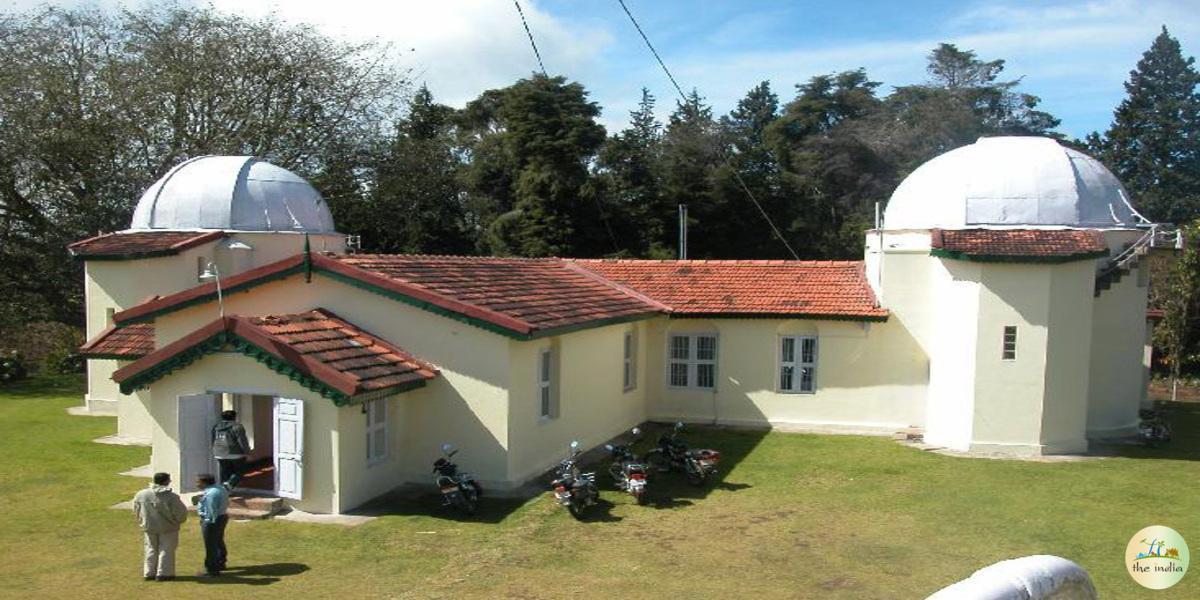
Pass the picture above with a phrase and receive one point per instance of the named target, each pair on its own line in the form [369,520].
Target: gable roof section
[127,343]
[536,296]
[317,349]
[749,288]
[140,244]
[1018,245]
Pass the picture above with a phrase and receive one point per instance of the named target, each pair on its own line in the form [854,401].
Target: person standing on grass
[229,447]
[214,501]
[159,512]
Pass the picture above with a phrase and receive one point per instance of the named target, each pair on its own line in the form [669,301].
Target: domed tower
[209,215]
[1016,264]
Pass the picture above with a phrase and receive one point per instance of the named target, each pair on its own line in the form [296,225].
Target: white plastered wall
[870,376]
[1117,372]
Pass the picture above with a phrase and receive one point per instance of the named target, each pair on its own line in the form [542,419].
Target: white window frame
[1008,347]
[797,364]
[377,427]
[547,396]
[629,361]
[691,362]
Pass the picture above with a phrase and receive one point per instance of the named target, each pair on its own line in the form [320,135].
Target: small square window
[1009,351]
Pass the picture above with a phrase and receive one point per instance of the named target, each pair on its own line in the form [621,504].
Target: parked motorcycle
[628,473]
[673,454]
[458,489]
[1153,429]
[574,490]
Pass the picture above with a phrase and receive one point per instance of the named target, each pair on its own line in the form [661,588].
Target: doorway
[255,413]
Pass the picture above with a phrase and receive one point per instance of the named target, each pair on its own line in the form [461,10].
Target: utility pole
[682,232]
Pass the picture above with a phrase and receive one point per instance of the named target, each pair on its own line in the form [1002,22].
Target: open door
[197,415]
[289,447]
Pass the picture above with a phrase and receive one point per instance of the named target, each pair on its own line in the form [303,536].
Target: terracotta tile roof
[1052,245]
[316,348]
[832,289]
[523,294]
[128,342]
[140,244]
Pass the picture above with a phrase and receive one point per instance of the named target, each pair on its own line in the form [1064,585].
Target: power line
[653,51]
[530,34]
[732,169]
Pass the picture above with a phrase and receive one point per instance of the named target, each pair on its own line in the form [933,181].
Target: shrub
[46,346]
[12,368]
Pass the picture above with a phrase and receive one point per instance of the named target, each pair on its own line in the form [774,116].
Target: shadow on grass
[46,386]
[250,574]
[405,503]
[1184,419]
[671,489]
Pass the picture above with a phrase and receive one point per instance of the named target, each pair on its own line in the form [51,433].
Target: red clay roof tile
[128,342]
[834,289]
[1018,243]
[343,357]
[140,244]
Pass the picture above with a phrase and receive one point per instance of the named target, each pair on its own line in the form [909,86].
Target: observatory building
[999,309]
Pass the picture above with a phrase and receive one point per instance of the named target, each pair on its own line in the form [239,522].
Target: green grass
[794,516]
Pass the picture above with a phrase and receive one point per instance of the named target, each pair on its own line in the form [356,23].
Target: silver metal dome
[1010,181]
[232,193]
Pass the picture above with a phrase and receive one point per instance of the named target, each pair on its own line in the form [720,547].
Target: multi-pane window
[545,384]
[377,438]
[629,372]
[693,361]
[1010,343]
[798,364]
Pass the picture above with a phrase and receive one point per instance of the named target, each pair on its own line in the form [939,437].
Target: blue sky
[1074,55]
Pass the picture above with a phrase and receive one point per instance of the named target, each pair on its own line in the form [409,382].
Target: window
[693,361]
[547,403]
[798,364]
[377,438]
[1010,343]
[629,373]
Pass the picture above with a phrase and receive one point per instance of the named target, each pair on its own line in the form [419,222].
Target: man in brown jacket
[160,512]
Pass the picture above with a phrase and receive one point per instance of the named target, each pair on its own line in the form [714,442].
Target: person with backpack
[159,512]
[229,447]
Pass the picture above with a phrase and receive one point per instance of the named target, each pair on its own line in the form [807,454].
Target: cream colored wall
[360,481]
[593,406]
[870,377]
[1068,358]
[1009,393]
[466,406]
[234,372]
[1117,348]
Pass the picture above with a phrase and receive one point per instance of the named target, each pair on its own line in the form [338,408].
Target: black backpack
[226,440]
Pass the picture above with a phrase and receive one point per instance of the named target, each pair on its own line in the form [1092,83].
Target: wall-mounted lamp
[212,273]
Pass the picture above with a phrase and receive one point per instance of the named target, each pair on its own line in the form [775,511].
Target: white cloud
[458,47]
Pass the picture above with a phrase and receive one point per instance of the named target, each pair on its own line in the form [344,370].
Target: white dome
[1010,181]
[232,193]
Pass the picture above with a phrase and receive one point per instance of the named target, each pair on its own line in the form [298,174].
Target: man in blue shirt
[214,501]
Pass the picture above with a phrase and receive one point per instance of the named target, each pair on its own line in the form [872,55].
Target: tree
[1153,145]
[530,145]
[1176,290]
[417,186]
[692,149]
[97,106]
[629,165]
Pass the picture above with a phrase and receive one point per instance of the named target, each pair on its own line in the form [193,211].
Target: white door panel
[289,447]
[196,415]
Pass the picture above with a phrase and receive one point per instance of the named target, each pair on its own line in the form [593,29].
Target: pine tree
[1153,146]
[629,166]
[692,150]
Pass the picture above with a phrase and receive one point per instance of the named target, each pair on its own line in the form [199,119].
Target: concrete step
[912,434]
[264,503]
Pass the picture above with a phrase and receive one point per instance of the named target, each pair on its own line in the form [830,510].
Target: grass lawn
[794,516]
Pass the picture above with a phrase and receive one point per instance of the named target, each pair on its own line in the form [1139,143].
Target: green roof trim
[223,339]
[1016,258]
[226,291]
[781,316]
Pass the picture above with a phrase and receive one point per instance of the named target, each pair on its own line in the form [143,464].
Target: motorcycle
[1153,429]
[574,490]
[458,489]
[628,473]
[673,454]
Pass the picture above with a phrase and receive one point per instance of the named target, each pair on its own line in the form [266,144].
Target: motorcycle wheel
[576,511]
[696,477]
[478,488]
[471,504]
[656,460]
[640,498]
